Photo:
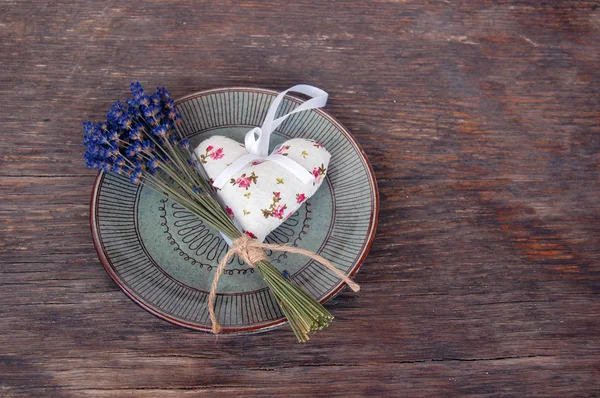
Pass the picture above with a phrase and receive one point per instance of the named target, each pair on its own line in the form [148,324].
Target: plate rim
[374,218]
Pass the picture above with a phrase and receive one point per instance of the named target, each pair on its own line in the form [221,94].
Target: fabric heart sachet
[263,194]
[261,191]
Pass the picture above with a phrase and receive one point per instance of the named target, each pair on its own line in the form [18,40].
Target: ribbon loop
[257,140]
[250,141]
[318,100]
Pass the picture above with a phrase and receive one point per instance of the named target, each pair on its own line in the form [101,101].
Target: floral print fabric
[263,194]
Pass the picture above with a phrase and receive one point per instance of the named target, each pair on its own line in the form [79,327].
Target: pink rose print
[278,211]
[244,181]
[318,144]
[282,150]
[218,154]
[319,173]
[250,234]
[230,212]
[300,197]
[209,153]
[275,210]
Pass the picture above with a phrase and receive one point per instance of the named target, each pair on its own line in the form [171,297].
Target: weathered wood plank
[481,121]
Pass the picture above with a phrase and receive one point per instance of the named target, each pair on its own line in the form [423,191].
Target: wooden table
[481,120]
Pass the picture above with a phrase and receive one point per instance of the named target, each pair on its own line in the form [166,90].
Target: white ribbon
[257,139]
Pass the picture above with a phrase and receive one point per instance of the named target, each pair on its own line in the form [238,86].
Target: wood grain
[481,120]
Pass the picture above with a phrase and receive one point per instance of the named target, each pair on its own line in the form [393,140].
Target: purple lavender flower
[152,164]
[136,90]
[136,134]
[120,160]
[134,141]
[160,131]
[150,112]
[112,135]
[148,146]
[131,153]
[116,111]
[163,93]
[136,176]
[155,99]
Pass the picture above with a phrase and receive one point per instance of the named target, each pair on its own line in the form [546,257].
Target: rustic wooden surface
[481,120]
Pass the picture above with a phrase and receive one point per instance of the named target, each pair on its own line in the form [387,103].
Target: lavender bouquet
[141,140]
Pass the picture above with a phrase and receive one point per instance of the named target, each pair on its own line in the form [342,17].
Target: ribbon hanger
[257,140]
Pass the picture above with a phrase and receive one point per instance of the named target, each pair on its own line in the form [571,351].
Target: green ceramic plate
[164,257]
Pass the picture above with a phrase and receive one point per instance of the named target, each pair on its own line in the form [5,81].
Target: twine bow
[252,251]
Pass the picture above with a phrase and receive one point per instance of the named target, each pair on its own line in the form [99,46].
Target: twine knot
[252,251]
[247,250]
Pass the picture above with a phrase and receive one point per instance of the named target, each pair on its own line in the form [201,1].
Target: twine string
[252,251]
